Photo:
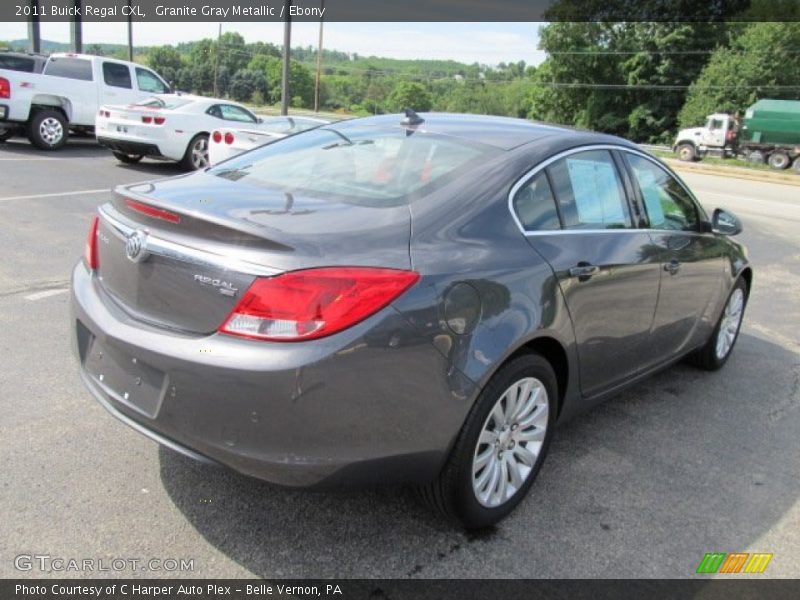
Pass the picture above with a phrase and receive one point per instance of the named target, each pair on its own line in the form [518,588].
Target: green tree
[409,94]
[162,58]
[758,63]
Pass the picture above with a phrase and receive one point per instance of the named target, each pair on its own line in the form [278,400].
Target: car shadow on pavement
[155,167]
[685,463]
[74,148]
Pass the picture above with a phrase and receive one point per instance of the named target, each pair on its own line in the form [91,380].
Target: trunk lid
[194,261]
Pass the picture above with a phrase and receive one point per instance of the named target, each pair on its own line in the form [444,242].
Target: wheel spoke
[526,456]
[531,435]
[513,470]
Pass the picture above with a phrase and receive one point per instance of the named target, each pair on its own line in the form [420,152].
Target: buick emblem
[135,246]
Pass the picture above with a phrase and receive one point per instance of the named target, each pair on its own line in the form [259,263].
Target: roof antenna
[412,119]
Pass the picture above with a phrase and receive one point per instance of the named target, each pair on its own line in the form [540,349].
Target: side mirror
[259,120]
[725,223]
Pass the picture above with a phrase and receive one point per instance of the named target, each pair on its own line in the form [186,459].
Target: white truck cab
[67,95]
[713,138]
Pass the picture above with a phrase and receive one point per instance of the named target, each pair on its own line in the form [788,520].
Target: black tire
[686,152]
[451,493]
[48,129]
[128,158]
[779,161]
[6,135]
[188,162]
[707,357]
[755,156]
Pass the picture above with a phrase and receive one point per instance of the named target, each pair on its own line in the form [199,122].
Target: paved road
[642,486]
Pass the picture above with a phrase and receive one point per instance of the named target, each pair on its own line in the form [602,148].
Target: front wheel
[686,152]
[719,346]
[48,130]
[127,158]
[196,156]
[500,447]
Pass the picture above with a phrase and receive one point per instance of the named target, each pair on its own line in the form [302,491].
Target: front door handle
[583,271]
[672,267]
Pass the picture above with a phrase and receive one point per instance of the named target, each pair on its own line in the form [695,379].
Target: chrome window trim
[187,254]
[542,165]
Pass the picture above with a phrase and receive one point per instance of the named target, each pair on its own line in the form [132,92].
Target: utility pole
[319,58]
[216,60]
[34,33]
[287,43]
[130,33]
[76,28]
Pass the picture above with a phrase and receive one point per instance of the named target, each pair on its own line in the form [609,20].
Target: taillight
[153,211]
[147,119]
[217,137]
[5,88]
[314,303]
[159,120]
[228,137]
[92,260]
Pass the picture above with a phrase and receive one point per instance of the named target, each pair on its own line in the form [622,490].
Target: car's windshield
[371,165]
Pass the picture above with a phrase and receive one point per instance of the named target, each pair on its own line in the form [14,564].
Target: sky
[486,43]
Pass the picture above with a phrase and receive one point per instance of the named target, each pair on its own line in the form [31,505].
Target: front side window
[668,204]
[148,82]
[235,113]
[116,75]
[17,63]
[375,166]
[589,191]
[535,205]
[71,68]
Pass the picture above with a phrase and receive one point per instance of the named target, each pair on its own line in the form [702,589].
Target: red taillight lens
[228,137]
[159,120]
[314,303]
[217,137]
[153,211]
[147,119]
[92,260]
[5,88]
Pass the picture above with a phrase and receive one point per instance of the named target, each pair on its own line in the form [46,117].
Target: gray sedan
[400,299]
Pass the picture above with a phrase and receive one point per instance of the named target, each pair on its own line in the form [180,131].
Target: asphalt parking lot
[642,486]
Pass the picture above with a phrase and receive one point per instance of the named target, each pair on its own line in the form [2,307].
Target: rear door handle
[584,271]
[672,267]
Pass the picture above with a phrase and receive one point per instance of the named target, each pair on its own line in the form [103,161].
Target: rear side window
[117,75]
[149,82]
[535,205]
[235,113]
[589,191]
[668,205]
[71,68]
[16,63]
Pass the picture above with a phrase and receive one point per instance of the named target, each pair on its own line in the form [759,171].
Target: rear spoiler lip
[161,247]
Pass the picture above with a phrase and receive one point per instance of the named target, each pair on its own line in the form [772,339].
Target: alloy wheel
[729,325]
[51,131]
[200,153]
[510,442]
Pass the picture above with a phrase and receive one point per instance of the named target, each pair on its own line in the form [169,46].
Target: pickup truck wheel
[779,160]
[686,152]
[196,156]
[48,130]
[127,158]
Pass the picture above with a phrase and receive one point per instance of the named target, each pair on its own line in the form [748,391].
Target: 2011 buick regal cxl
[406,299]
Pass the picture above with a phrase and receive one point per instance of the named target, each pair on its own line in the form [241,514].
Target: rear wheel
[196,156]
[756,156]
[686,152]
[500,447]
[48,129]
[719,346]
[127,158]
[779,160]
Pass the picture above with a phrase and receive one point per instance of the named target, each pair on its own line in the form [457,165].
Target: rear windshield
[169,104]
[365,165]
[293,125]
[71,68]
[16,63]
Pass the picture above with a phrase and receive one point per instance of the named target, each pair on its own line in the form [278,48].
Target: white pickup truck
[67,95]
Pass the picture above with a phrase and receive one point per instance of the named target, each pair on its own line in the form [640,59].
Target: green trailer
[771,131]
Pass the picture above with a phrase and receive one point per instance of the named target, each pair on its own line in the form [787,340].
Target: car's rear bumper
[130,147]
[374,404]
